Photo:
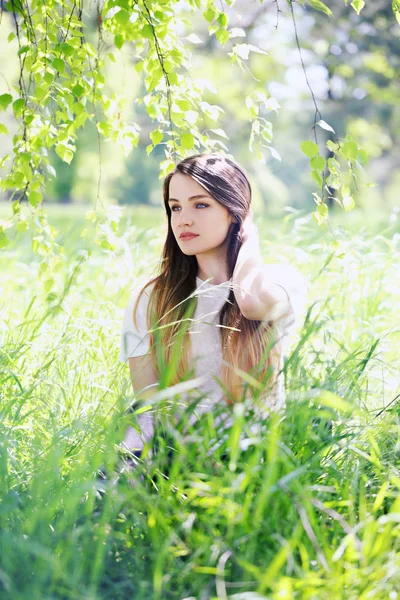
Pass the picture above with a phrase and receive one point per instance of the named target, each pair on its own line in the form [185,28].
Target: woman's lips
[186,238]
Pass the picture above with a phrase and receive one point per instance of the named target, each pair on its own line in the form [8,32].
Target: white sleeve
[135,341]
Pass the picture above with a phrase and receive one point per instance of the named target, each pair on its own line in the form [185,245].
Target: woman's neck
[213,264]
[215,271]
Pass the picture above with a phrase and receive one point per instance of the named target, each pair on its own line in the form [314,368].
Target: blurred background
[352,64]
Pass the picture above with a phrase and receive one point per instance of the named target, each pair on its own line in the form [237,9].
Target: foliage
[304,505]
[63,49]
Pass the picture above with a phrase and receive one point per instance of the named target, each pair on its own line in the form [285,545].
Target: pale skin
[194,210]
[206,217]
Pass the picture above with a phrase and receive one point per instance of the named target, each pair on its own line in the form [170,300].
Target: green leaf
[187,141]
[3,129]
[11,36]
[322,209]
[160,16]
[363,156]
[318,162]
[67,49]
[173,78]
[41,92]
[184,104]
[209,14]
[5,100]
[147,32]
[78,90]
[317,217]
[49,78]
[154,80]
[48,284]
[168,66]
[52,297]
[104,128]
[18,178]
[14,6]
[119,41]
[333,181]
[22,225]
[23,50]
[59,65]
[310,149]
[349,149]
[18,107]
[317,177]
[334,166]
[318,5]
[122,17]
[348,203]
[35,198]
[106,245]
[65,153]
[332,146]
[222,19]
[222,36]
[325,125]
[3,240]
[358,5]
[156,136]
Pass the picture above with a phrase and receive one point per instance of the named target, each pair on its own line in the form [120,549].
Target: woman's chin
[188,252]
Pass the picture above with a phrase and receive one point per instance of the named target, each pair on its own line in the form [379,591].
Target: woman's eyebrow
[190,199]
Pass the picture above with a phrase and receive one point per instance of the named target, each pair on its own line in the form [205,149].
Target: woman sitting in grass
[215,311]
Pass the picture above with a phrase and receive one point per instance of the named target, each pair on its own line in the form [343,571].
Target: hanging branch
[165,74]
[325,171]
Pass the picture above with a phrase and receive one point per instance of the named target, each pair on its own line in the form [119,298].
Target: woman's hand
[248,229]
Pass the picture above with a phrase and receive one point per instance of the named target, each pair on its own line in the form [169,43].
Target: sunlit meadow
[307,506]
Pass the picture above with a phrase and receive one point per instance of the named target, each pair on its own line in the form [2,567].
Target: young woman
[214,309]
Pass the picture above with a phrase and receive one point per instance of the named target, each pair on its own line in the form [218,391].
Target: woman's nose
[184,219]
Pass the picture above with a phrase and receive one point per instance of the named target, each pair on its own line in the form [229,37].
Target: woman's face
[193,210]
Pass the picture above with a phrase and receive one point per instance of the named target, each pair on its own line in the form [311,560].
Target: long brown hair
[247,345]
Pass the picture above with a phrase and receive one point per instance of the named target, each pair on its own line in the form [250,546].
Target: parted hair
[248,346]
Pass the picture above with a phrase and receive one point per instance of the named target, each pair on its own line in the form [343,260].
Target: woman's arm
[263,292]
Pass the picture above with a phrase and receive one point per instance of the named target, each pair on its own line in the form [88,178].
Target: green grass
[311,508]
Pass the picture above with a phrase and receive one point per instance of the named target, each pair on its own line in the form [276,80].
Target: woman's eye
[198,204]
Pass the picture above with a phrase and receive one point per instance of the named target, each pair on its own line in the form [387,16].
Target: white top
[205,337]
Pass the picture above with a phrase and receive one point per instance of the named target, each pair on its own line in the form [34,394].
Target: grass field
[310,509]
